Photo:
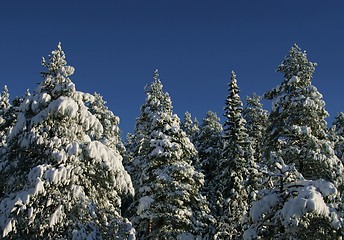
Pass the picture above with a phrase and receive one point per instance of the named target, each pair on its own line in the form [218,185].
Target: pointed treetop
[233,90]
[5,89]
[339,124]
[156,85]
[233,82]
[233,105]
[297,64]
[57,63]
[4,98]
[187,117]
[4,92]
[254,101]
[156,75]
[157,100]
[233,76]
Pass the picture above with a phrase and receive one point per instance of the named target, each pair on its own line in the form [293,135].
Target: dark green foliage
[256,122]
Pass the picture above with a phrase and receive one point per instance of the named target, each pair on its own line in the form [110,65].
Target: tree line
[65,172]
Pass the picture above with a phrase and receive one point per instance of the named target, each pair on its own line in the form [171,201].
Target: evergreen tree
[189,126]
[297,122]
[60,181]
[338,129]
[4,100]
[4,108]
[168,201]
[256,122]
[8,114]
[235,169]
[208,143]
[156,101]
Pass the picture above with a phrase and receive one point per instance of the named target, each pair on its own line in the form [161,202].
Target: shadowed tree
[235,173]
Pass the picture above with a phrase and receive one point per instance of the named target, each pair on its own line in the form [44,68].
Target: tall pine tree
[209,144]
[297,126]
[168,200]
[235,169]
[256,123]
[60,181]
[189,126]
[4,118]
[338,131]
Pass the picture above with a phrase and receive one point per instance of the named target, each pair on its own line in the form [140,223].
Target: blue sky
[115,47]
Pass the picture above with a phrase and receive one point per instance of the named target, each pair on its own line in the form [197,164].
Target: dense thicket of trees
[65,173]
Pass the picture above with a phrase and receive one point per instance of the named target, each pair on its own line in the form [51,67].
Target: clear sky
[115,47]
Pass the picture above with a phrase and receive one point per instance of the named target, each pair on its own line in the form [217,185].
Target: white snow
[308,200]
[64,106]
[62,175]
[57,216]
[111,160]
[264,206]
[158,151]
[18,202]
[9,227]
[294,79]
[73,149]
[66,70]
[78,192]
[303,197]
[144,204]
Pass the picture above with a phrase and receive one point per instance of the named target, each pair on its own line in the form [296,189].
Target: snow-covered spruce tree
[4,108]
[4,100]
[338,131]
[209,144]
[61,183]
[291,207]
[167,200]
[189,126]
[256,121]
[235,172]
[134,142]
[297,126]
[8,113]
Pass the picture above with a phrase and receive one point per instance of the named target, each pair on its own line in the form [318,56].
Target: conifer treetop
[297,64]
[156,100]
[233,107]
[339,123]
[254,101]
[156,75]
[70,182]
[57,63]
[4,99]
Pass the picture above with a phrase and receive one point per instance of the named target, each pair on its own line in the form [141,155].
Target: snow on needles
[66,171]
[305,197]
